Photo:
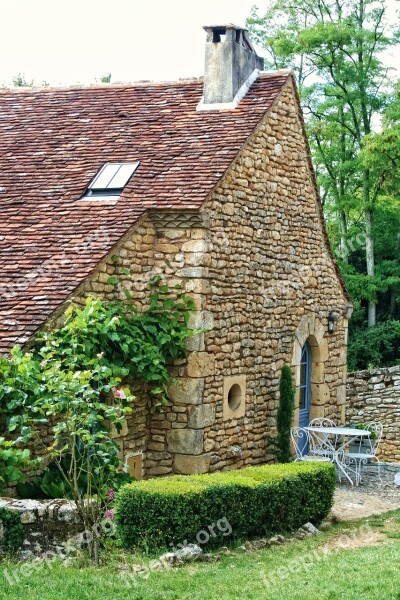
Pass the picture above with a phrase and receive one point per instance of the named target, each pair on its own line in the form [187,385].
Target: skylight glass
[110,181]
[113,176]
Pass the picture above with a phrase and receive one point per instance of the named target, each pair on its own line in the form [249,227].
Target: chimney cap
[214,33]
[224,26]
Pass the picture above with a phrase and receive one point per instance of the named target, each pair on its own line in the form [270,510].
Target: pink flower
[111,494]
[119,393]
[109,514]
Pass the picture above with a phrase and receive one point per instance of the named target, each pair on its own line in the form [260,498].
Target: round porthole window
[234,396]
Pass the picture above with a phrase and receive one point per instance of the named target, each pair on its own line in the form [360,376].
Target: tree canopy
[337,51]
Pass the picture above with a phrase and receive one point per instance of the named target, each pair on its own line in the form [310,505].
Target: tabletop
[349,431]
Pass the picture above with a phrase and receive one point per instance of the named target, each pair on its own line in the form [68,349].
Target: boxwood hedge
[254,501]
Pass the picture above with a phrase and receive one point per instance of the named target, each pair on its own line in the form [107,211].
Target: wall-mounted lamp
[332,318]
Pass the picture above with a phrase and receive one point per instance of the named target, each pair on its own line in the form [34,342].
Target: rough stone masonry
[375,396]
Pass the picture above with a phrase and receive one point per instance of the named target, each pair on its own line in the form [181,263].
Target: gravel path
[371,497]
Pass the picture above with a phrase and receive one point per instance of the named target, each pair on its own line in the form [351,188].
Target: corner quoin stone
[186,441]
[200,364]
[201,319]
[191,465]
[186,391]
[201,416]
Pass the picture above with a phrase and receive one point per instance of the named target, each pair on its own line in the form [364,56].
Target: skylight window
[110,180]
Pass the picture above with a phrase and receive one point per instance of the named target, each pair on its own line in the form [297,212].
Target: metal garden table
[332,442]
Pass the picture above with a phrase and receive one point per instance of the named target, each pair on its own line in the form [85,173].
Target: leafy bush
[12,462]
[50,484]
[254,501]
[377,346]
[13,531]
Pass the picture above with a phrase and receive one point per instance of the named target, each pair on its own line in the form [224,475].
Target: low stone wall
[49,525]
[375,396]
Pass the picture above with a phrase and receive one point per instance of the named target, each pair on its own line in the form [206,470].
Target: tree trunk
[343,249]
[393,303]
[370,259]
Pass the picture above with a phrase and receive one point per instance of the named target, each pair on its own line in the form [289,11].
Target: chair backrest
[376,428]
[300,439]
[322,422]
[369,445]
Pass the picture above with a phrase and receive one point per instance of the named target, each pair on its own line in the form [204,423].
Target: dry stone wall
[50,526]
[375,396]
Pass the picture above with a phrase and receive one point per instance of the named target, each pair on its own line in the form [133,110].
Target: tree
[335,48]
[284,416]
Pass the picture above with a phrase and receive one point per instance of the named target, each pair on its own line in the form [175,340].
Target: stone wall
[375,396]
[49,525]
[170,244]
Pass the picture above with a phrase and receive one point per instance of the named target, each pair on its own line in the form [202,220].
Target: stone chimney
[231,66]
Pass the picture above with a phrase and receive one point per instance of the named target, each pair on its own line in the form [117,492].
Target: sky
[64,42]
[78,41]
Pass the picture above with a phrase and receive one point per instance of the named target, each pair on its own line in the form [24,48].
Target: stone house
[210,184]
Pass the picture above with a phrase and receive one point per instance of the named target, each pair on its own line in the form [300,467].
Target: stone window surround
[230,411]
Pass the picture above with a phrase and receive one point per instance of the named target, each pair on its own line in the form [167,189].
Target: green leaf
[113,280]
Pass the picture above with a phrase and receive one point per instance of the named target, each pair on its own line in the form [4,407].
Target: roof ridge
[276,72]
[100,86]
[118,85]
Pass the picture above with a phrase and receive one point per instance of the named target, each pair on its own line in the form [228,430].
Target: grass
[355,561]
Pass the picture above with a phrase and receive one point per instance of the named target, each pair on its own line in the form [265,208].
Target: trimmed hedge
[254,501]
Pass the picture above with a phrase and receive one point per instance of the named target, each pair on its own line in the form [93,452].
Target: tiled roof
[53,142]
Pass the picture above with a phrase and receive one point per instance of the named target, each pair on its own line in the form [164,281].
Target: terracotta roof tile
[53,142]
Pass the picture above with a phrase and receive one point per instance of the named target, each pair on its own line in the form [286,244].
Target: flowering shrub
[72,385]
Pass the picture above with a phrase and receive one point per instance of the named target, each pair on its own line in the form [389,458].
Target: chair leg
[379,469]
[359,472]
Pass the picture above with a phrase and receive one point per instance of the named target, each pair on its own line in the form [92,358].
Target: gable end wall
[272,285]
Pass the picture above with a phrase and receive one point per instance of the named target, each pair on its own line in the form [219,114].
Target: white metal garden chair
[319,439]
[365,450]
[304,446]
[322,422]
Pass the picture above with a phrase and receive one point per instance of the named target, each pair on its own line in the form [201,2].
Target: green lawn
[306,572]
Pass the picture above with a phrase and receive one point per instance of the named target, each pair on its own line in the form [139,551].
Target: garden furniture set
[348,448]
